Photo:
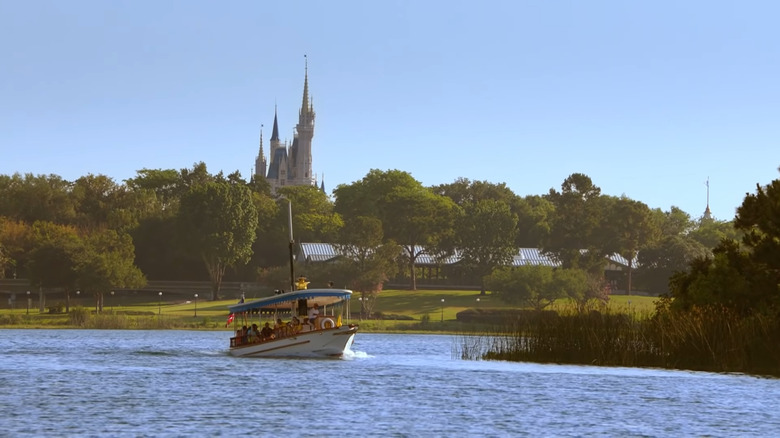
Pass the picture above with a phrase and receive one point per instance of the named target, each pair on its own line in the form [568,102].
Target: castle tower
[301,153]
[290,165]
[261,165]
[707,213]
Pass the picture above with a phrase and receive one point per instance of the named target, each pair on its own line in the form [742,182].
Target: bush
[57,308]
[11,319]
[78,316]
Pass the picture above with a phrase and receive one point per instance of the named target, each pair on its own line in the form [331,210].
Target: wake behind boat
[298,335]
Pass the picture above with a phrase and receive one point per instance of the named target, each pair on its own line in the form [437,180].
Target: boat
[326,336]
[323,336]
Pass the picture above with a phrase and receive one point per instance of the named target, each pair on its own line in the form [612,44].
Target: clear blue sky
[647,98]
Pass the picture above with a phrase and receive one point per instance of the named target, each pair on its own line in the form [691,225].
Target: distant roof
[322,252]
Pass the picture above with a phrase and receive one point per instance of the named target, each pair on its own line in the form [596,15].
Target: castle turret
[261,165]
[302,165]
[291,164]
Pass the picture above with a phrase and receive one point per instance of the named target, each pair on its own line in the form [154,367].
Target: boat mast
[292,242]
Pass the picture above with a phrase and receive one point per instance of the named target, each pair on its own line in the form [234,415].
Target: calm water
[181,383]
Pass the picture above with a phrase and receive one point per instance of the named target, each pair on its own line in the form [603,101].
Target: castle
[290,164]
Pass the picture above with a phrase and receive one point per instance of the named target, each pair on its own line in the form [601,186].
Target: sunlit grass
[180,311]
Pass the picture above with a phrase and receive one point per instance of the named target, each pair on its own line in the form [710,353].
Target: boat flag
[230,319]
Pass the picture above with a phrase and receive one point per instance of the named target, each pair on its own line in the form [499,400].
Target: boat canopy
[288,300]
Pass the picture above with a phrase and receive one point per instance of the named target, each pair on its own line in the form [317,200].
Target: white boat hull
[317,343]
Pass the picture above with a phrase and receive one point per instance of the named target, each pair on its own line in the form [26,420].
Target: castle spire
[305,104]
[275,132]
[707,212]
[262,157]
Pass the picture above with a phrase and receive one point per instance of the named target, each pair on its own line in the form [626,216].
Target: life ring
[327,323]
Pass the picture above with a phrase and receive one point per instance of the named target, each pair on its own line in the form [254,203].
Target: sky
[649,99]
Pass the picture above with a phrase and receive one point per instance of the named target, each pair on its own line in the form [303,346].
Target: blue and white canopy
[289,300]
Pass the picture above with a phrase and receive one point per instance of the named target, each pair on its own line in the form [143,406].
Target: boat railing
[326,322]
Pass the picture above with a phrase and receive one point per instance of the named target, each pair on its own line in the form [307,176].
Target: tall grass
[707,339]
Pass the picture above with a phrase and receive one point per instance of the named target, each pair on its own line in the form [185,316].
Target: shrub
[78,316]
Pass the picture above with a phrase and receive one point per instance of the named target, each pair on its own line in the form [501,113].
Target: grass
[421,310]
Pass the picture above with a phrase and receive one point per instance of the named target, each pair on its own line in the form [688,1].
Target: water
[183,383]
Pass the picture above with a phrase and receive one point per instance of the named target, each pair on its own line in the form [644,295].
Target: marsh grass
[706,339]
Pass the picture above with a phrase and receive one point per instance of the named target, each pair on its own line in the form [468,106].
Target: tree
[672,252]
[527,285]
[710,232]
[100,203]
[54,260]
[631,225]
[576,237]
[533,220]
[167,185]
[362,198]
[582,287]
[744,277]
[418,220]
[366,261]
[411,215]
[106,263]
[36,198]
[218,220]
[314,219]
[486,237]
[17,243]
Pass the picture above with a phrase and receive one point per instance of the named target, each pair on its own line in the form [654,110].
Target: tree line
[94,234]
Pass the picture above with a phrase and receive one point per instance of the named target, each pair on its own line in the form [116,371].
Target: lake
[184,383]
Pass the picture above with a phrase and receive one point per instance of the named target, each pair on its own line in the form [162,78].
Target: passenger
[280,328]
[295,325]
[254,334]
[314,313]
[244,335]
[267,332]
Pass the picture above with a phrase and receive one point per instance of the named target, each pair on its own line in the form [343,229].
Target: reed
[706,339]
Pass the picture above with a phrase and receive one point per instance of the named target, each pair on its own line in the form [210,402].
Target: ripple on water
[169,383]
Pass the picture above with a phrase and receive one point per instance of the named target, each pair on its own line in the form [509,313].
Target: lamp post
[159,304]
[78,295]
[112,301]
[442,310]
[477,302]
[361,307]
[196,306]
[28,302]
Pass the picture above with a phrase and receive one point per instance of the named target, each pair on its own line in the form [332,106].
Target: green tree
[533,221]
[412,216]
[53,262]
[31,198]
[672,252]
[17,243]
[106,263]
[366,261]
[167,186]
[486,237]
[314,219]
[418,220]
[710,232]
[631,225]
[582,287]
[577,238]
[101,203]
[526,285]
[218,220]
[742,277]
[362,198]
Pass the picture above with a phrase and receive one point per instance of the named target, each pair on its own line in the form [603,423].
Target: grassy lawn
[421,302]
[179,312]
